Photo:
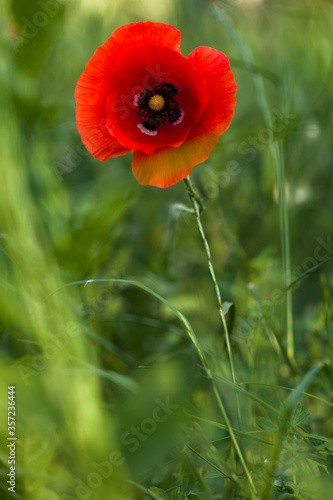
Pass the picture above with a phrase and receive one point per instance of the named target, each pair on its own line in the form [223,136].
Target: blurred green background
[97,368]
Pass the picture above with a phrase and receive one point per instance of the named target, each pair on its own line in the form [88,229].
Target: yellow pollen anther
[156,103]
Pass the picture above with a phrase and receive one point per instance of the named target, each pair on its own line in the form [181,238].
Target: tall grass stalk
[189,330]
[278,160]
[283,430]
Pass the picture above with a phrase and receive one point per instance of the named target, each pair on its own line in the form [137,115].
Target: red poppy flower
[139,93]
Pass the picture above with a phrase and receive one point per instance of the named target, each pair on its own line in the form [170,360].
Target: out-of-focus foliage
[112,401]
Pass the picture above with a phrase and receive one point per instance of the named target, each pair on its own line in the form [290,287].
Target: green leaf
[299,416]
[323,472]
[330,471]
[187,484]
[158,494]
[266,424]
[290,487]
[226,307]
[122,380]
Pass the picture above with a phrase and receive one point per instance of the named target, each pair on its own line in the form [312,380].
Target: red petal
[91,118]
[91,91]
[141,67]
[101,78]
[214,67]
[169,165]
[159,34]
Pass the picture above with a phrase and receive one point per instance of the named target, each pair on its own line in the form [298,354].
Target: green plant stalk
[268,480]
[285,242]
[275,151]
[194,199]
[285,422]
[197,206]
[232,436]
[328,319]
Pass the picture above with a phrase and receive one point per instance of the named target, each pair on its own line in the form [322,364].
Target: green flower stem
[198,207]
[194,196]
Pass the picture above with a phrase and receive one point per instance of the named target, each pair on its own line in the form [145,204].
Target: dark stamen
[170,113]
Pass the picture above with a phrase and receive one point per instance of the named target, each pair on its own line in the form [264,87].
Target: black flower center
[158,107]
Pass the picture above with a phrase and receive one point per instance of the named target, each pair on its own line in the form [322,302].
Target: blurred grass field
[112,400]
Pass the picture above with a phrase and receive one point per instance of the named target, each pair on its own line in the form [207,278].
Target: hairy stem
[198,206]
